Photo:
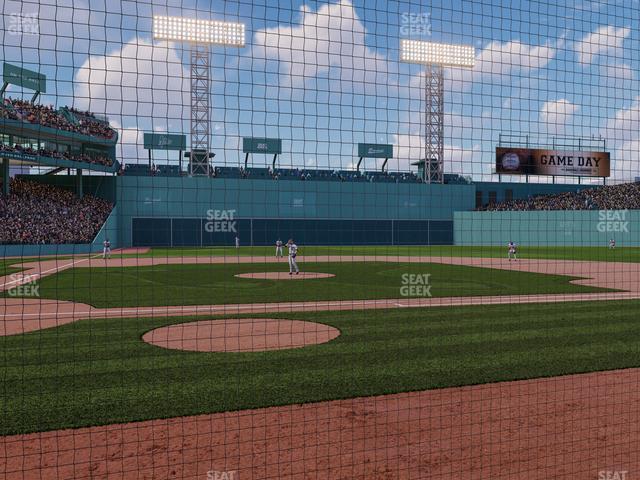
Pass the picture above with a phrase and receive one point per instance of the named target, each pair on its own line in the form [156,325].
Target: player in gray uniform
[279,245]
[106,249]
[513,251]
[293,251]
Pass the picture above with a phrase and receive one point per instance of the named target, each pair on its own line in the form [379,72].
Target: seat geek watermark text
[613,475]
[415,285]
[415,24]
[615,221]
[221,221]
[23,285]
[220,475]
[23,24]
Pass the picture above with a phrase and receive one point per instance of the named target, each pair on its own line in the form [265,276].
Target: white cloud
[409,148]
[142,80]
[498,60]
[617,75]
[626,161]
[130,148]
[557,113]
[622,133]
[606,40]
[330,40]
[140,87]
[625,126]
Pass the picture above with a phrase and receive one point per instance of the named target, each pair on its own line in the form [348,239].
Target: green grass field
[216,284]
[6,267]
[599,254]
[100,371]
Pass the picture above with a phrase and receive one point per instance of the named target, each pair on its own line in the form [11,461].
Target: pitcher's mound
[285,275]
[241,335]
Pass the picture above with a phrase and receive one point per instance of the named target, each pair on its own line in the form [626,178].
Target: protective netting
[322,239]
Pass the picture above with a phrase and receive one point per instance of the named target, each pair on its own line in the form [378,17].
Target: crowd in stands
[314,174]
[35,213]
[610,197]
[259,173]
[91,159]
[47,116]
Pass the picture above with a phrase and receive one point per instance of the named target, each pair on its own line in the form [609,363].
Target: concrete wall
[548,228]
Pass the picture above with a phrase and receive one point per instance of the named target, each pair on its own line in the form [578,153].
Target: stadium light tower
[435,56]
[201,34]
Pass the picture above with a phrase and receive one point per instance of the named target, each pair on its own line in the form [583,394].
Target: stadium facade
[164,211]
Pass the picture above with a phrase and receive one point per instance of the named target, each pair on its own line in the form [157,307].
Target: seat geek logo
[217,475]
[613,221]
[221,221]
[24,285]
[415,285]
[613,475]
[415,24]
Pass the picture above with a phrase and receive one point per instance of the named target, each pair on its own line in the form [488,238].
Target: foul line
[39,274]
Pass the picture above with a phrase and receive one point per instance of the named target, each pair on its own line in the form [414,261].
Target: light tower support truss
[200,110]
[434,124]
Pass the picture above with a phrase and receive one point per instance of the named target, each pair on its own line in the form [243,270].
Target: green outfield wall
[548,228]
[175,211]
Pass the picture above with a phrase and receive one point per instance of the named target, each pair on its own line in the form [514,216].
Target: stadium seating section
[611,197]
[35,213]
[67,119]
[292,174]
[42,152]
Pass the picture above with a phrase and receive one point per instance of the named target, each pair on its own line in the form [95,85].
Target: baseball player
[237,242]
[279,249]
[293,251]
[513,251]
[612,244]
[106,249]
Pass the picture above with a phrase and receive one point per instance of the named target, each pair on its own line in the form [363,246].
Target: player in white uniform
[279,249]
[237,242]
[513,251]
[106,249]
[612,244]
[293,251]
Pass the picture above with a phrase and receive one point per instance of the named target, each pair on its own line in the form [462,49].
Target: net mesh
[319,239]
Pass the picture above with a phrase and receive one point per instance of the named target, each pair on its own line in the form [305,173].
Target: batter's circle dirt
[285,275]
[241,335]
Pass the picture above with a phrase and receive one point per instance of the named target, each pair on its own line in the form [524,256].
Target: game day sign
[531,161]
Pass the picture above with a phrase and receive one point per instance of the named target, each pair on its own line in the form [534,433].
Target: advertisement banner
[375,150]
[270,146]
[24,78]
[533,161]
[164,141]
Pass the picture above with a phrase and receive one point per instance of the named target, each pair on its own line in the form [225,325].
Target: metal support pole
[5,176]
[200,110]
[434,124]
[79,182]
